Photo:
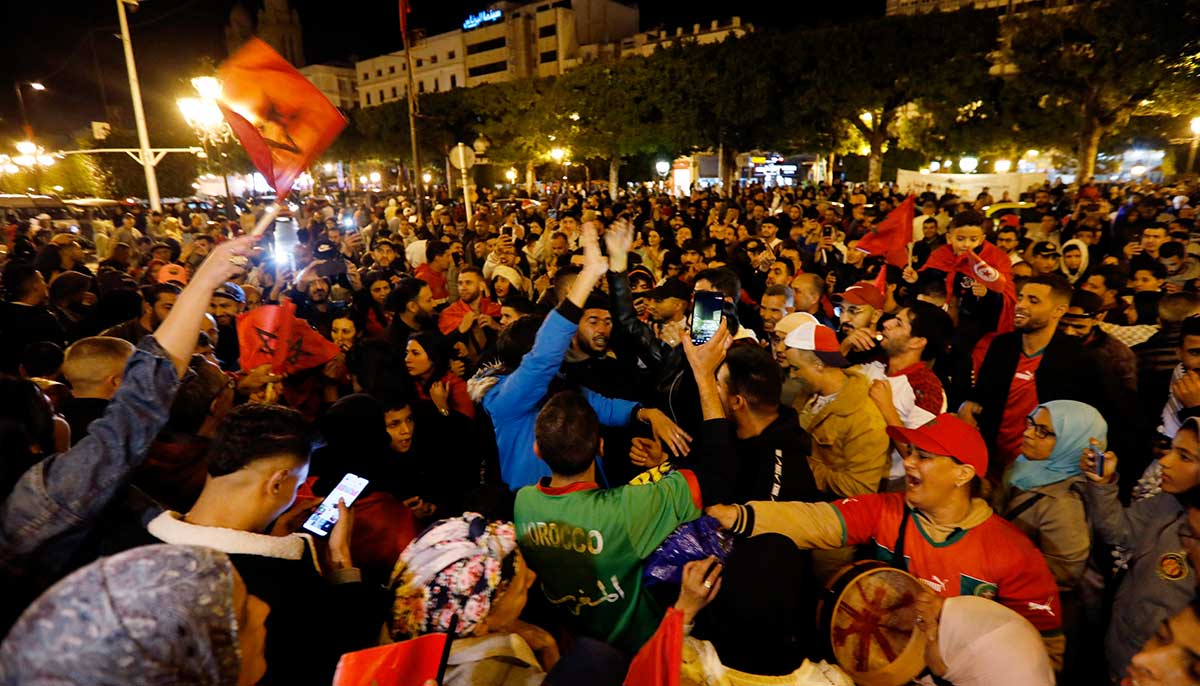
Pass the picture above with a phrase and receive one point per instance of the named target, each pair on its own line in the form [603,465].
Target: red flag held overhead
[281,119]
[272,335]
[891,236]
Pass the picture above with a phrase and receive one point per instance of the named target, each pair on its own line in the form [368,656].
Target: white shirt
[904,399]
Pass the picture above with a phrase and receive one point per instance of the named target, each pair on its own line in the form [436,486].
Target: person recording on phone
[256,464]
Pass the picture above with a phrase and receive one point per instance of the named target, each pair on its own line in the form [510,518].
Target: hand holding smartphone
[326,515]
[707,313]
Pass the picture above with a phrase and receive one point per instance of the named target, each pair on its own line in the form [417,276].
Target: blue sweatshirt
[513,403]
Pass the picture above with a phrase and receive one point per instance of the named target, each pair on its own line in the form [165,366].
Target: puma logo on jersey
[938,584]
[847,501]
[1040,607]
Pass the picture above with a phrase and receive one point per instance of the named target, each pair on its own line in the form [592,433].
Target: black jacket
[774,464]
[1068,371]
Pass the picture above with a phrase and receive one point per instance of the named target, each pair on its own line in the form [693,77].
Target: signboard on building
[480,18]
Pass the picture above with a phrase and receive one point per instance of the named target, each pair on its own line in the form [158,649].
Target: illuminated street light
[557,154]
[662,167]
[968,164]
[26,147]
[511,175]
[208,87]
[328,167]
[1138,169]
[25,160]
[46,160]
[1195,125]
[574,116]
[867,118]
[924,170]
[934,166]
[375,177]
[362,179]
[10,168]
[426,177]
[1002,166]
[1032,153]
[37,86]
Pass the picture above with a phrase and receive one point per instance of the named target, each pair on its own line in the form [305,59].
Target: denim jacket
[55,504]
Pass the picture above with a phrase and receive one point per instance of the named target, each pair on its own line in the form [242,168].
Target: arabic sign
[480,18]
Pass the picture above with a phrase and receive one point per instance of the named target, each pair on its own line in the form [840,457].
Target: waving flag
[891,236]
[658,662]
[993,269]
[272,335]
[282,120]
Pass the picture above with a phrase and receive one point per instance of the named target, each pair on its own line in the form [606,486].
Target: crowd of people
[1012,416]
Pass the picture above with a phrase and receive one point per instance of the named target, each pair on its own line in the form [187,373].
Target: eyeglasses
[1038,430]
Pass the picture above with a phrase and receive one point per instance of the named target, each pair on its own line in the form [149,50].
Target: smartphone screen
[707,311]
[326,515]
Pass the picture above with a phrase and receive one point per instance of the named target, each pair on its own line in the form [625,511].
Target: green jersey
[587,546]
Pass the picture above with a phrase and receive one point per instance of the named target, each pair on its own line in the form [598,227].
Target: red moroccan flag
[282,120]
[271,334]
[991,267]
[659,661]
[891,236]
[405,8]
[409,663]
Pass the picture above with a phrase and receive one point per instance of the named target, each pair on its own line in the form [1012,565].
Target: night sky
[74,52]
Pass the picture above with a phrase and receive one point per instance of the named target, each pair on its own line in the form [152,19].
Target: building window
[485,69]
[433,59]
[450,55]
[547,30]
[392,69]
[393,91]
[420,86]
[378,72]
[454,80]
[437,85]
[420,63]
[368,98]
[380,95]
[366,75]
[487,45]
[549,56]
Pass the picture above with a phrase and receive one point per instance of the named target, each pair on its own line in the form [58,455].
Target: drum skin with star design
[869,610]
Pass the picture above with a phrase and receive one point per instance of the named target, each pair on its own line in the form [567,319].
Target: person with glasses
[1161,580]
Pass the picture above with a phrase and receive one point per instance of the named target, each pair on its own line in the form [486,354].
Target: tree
[1092,66]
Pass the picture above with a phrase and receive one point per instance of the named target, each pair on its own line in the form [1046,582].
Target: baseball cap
[672,288]
[821,340]
[946,435]
[173,272]
[324,250]
[862,293]
[789,323]
[1046,249]
[1011,221]
[640,272]
[232,291]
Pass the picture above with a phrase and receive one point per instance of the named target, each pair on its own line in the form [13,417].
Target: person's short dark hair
[18,279]
[1171,249]
[596,301]
[471,269]
[408,290]
[1191,327]
[788,266]
[567,433]
[1157,269]
[966,218]
[1154,227]
[151,294]
[1060,287]
[194,399]
[204,238]
[1087,301]
[1006,229]
[434,250]
[928,221]
[780,289]
[523,306]
[933,324]
[1114,277]
[390,402]
[42,358]
[257,431]
[755,375]
[724,280]
[1173,308]
[516,340]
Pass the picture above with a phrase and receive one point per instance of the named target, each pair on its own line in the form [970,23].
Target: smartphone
[1099,455]
[707,312]
[332,268]
[326,515]
[827,231]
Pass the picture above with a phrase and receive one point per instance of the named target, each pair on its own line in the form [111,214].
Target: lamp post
[968,164]
[19,88]
[204,116]
[1195,126]
[33,157]
[139,114]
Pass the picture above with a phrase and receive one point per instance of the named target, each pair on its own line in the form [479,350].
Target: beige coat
[1057,524]
[849,440]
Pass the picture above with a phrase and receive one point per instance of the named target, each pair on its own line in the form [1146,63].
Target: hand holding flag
[891,236]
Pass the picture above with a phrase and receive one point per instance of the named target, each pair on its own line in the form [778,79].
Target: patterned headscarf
[159,614]
[455,569]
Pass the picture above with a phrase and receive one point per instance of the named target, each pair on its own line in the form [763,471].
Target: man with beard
[316,308]
[862,306]
[384,257]
[227,303]
[1030,366]
[470,318]
[157,301]
[411,303]
[777,302]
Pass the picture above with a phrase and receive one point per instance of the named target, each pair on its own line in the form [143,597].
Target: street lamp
[375,177]
[1002,166]
[1032,152]
[557,154]
[328,167]
[968,164]
[18,87]
[27,147]
[663,167]
[1138,169]
[867,118]
[1195,126]
[426,177]
[934,166]
[511,175]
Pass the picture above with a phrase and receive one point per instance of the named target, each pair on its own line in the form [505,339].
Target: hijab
[155,615]
[1074,423]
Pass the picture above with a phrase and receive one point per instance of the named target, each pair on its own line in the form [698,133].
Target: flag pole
[412,113]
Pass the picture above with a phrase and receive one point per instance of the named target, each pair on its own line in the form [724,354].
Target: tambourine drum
[869,612]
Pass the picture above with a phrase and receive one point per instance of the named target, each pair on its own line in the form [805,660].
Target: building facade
[335,82]
[278,25]
[922,6]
